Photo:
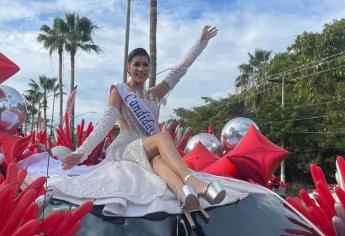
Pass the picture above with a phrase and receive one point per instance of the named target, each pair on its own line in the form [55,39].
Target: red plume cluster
[19,213]
[63,134]
[16,148]
[322,210]
[13,147]
[64,138]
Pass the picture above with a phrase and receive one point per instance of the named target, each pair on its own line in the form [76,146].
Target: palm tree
[54,39]
[55,93]
[31,110]
[244,79]
[78,34]
[33,99]
[45,86]
[153,47]
[125,55]
[259,61]
[252,79]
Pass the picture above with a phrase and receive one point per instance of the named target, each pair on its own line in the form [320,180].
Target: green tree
[313,122]
[252,80]
[44,87]
[243,81]
[33,97]
[259,61]
[54,39]
[79,31]
[31,100]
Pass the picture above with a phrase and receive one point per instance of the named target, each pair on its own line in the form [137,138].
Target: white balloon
[60,152]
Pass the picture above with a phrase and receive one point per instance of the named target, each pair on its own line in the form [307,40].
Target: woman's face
[139,69]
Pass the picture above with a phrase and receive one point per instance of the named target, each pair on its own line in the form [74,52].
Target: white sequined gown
[124,182]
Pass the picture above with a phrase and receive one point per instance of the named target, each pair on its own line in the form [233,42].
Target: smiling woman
[142,161]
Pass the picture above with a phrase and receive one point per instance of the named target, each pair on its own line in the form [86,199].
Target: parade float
[241,154]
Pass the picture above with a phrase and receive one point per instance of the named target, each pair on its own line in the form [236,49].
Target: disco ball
[12,108]
[210,142]
[234,130]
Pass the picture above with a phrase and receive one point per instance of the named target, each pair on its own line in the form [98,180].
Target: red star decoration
[256,157]
[7,68]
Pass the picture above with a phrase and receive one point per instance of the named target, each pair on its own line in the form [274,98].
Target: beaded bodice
[127,119]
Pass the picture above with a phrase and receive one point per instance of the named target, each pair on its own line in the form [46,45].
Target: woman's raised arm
[178,71]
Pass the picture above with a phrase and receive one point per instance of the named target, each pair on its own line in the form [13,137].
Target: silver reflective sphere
[210,142]
[234,130]
[12,108]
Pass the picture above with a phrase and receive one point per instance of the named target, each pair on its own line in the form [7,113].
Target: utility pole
[128,15]
[282,165]
[153,46]
[283,82]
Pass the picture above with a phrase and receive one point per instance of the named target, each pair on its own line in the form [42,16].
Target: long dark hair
[137,52]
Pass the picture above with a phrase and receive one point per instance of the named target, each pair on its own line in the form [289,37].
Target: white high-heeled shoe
[213,192]
[189,202]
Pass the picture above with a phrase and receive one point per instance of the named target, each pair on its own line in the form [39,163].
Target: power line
[316,149]
[314,104]
[317,61]
[297,119]
[319,72]
[319,132]
[325,108]
[302,118]
[304,76]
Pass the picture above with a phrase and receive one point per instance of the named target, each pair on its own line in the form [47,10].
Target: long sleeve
[178,71]
[101,130]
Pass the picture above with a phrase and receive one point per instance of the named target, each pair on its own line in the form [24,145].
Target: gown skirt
[124,182]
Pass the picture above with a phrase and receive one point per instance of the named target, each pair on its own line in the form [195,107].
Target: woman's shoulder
[114,97]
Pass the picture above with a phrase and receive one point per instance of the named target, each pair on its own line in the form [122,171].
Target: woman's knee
[155,161]
[165,135]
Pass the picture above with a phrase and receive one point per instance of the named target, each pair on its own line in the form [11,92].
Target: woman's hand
[208,32]
[71,160]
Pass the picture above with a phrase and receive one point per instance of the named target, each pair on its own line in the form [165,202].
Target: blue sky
[243,26]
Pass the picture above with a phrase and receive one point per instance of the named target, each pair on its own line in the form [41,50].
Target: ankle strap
[185,179]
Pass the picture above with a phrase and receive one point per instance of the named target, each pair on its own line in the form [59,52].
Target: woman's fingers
[69,162]
[209,32]
[213,29]
[68,165]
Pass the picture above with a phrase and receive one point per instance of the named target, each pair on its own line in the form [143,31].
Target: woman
[159,148]
[140,153]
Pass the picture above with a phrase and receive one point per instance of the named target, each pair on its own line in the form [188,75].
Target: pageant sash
[139,109]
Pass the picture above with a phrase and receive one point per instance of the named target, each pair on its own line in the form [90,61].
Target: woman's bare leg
[168,176]
[163,145]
